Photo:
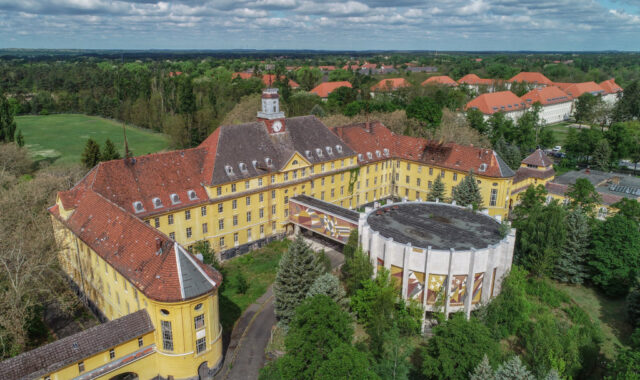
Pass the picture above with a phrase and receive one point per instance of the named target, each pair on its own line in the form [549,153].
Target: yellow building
[123,227]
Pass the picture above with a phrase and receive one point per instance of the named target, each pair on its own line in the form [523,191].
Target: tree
[109,152]
[7,124]
[628,106]
[208,254]
[570,266]
[620,142]
[456,347]
[437,191]
[340,75]
[329,285]
[352,244]
[615,255]
[91,154]
[393,363]
[425,110]
[475,117]
[583,195]
[630,208]
[20,139]
[585,108]
[308,77]
[509,153]
[318,327]
[468,192]
[513,369]
[297,270]
[532,198]
[356,270]
[345,362]
[499,126]
[552,375]
[483,370]
[602,155]
[626,366]
[633,306]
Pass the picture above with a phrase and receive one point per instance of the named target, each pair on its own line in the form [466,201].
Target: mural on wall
[415,287]
[320,222]
[435,287]
[477,287]
[380,264]
[396,275]
[458,290]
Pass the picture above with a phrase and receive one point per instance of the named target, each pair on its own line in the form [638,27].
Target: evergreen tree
[483,370]
[468,193]
[437,191]
[329,285]
[352,244]
[633,306]
[602,155]
[583,195]
[570,266]
[7,124]
[356,270]
[317,111]
[513,369]
[91,154]
[393,364]
[297,270]
[508,152]
[20,139]
[109,152]
[552,375]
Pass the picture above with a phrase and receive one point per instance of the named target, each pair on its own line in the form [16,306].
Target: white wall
[555,113]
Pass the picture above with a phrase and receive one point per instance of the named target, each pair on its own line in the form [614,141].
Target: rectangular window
[235,238]
[418,181]
[430,171]
[322,181]
[333,179]
[167,336]
[341,190]
[170,219]
[286,176]
[198,321]
[140,342]
[234,204]
[322,195]
[112,354]
[187,215]
[259,181]
[261,229]
[494,197]
[222,241]
[429,184]
[261,212]
[286,199]
[188,232]
[333,193]
[201,345]
[246,185]
[248,201]
[219,191]
[221,224]
[203,210]
[273,226]
[407,180]
[273,194]
[172,235]
[273,209]
[233,187]
[249,234]
[248,216]
[205,228]
[157,222]
[408,166]
[220,207]
[442,173]
[261,197]
[333,165]
[286,212]
[273,178]
[235,220]
[81,367]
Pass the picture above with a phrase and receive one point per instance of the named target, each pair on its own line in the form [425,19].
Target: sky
[548,25]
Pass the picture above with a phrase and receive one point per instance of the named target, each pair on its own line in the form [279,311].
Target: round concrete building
[428,246]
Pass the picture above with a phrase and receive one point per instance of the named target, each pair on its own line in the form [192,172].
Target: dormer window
[308,154]
[255,164]
[360,157]
[175,199]
[339,148]
[319,152]
[228,169]
[329,150]
[378,154]
[369,155]
[192,195]
[268,161]
[386,152]
[138,207]
[295,162]
[483,167]
[157,202]
[243,167]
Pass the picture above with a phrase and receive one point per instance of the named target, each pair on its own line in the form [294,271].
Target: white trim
[167,354]
[175,249]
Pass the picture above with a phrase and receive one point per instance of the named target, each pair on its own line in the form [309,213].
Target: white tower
[271,115]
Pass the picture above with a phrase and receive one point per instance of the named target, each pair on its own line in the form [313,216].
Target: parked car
[557,148]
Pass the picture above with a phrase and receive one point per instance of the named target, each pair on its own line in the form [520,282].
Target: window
[418,181]
[341,190]
[81,367]
[273,226]
[234,204]
[249,234]
[261,197]
[322,167]
[248,216]
[222,241]
[430,171]
[248,201]
[273,194]
[187,215]
[188,232]
[261,212]
[235,220]
[156,222]
[203,210]
[286,212]
[220,207]
[442,173]
[205,228]
[140,342]
[408,166]
[407,179]
[286,199]
[172,235]
[235,238]
[201,345]
[429,184]
[333,193]
[219,191]
[273,209]
[333,179]
[246,185]
[455,176]
[233,187]
[494,197]
[322,195]
[170,219]
[221,224]
[286,176]
[322,181]
[112,354]
[198,321]
[273,178]
[167,336]
[261,229]
[259,181]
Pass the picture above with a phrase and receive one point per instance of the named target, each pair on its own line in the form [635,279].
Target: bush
[509,311]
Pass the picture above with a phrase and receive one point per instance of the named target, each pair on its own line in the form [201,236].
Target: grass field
[60,139]
[560,132]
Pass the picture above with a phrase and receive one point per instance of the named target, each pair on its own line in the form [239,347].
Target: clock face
[277,126]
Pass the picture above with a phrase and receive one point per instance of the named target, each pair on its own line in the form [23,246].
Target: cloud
[314,24]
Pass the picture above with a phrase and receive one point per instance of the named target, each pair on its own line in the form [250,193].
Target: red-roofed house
[175,74]
[269,79]
[612,91]
[324,89]
[533,78]
[504,101]
[577,89]
[477,84]
[241,75]
[440,80]
[390,84]
[556,104]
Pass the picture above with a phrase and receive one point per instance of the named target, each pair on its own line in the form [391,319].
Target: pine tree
[356,270]
[20,139]
[633,306]
[110,152]
[513,369]
[483,371]
[468,192]
[297,270]
[329,285]
[437,191]
[552,375]
[7,124]
[91,154]
[570,266]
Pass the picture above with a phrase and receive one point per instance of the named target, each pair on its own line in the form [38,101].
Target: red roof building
[474,80]
[324,89]
[532,78]
[241,75]
[577,89]
[546,96]
[503,101]
[390,84]
[610,86]
[440,79]
[269,79]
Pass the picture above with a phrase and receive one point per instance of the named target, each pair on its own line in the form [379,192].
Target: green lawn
[611,314]
[560,131]
[259,269]
[60,139]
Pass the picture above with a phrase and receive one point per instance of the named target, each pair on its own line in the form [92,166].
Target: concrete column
[488,273]
[426,277]
[373,254]
[447,290]
[470,283]
[405,270]
[388,248]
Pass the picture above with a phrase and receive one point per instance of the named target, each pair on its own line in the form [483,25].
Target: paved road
[245,355]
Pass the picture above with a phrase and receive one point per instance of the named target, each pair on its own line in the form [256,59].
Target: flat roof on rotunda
[441,226]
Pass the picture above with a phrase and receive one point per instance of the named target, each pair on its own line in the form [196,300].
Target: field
[560,132]
[60,139]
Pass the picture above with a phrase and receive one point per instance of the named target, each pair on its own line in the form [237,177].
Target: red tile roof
[369,66]
[175,73]
[324,89]
[473,79]
[531,77]
[390,83]
[139,252]
[538,158]
[563,85]
[546,96]
[610,86]
[490,103]
[440,79]
[577,89]
[269,79]
[351,67]
[327,68]
[376,142]
[241,75]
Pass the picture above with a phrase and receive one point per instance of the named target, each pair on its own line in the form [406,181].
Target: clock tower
[271,115]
